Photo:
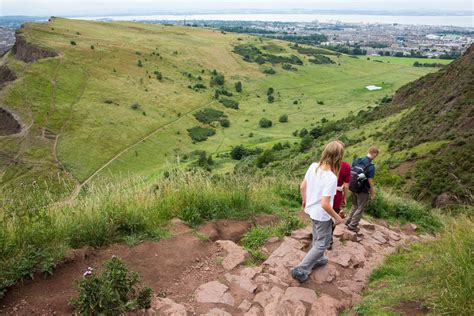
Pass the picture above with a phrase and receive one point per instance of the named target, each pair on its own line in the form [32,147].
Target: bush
[135,106]
[158,74]
[113,292]
[269,71]
[200,134]
[306,143]
[265,123]
[209,115]
[265,158]
[303,132]
[238,152]
[140,63]
[217,79]
[270,98]
[283,118]
[238,86]
[229,103]
[73,43]
[224,122]
[316,132]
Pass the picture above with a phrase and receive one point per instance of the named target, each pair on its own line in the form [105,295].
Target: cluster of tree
[312,39]
[208,115]
[418,64]
[222,91]
[239,152]
[200,134]
[229,103]
[204,161]
[269,71]
[345,49]
[251,53]
[289,67]
[246,30]
[320,59]
[217,79]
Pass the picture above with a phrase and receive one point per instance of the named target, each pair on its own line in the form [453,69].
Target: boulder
[165,307]
[242,282]
[264,298]
[349,235]
[300,294]
[393,235]
[235,254]
[366,225]
[338,231]
[379,237]
[285,307]
[254,311]
[214,292]
[218,312]
[286,256]
[325,305]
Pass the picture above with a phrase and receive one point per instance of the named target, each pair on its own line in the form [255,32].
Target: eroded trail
[200,277]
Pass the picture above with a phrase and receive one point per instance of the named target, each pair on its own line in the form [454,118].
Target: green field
[86,97]
[408,61]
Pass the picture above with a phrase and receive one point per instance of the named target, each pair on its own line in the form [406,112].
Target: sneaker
[299,275]
[321,262]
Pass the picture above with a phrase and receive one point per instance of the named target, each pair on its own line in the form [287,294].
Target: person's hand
[338,220]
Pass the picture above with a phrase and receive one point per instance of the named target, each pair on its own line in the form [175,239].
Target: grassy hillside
[121,97]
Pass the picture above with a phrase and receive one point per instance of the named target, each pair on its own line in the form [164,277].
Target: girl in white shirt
[317,191]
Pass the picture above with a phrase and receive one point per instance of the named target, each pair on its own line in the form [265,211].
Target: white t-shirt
[319,183]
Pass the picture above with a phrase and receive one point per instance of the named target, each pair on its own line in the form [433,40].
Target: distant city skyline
[123,7]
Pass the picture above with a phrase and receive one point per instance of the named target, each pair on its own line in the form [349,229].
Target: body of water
[461,20]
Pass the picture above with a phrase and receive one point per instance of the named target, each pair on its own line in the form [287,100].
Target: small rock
[245,306]
[301,234]
[250,272]
[340,257]
[300,293]
[218,312]
[263,298]
[325,305]
[326,273]
[235,254]
[349,235]
[214,292]
[165,307]
[272,240]
[379,237]
[242,282]
[365,224]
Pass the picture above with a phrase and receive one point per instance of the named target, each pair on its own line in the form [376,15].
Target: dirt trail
[199,277]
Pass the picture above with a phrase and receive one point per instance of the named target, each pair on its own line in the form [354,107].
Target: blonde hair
[373,150]
[332,156]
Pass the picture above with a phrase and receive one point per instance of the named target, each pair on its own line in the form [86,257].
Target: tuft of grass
[390,206]
[437,276]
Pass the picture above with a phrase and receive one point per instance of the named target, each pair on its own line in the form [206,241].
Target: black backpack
[359,182]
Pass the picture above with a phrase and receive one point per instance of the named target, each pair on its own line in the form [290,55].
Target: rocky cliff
[28,52]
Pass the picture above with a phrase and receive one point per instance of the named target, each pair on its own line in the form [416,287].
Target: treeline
[246,30]
[313,39]
[344,49]
[418,64]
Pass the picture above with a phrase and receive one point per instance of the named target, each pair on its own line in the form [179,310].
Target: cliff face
[6,75]
[28,52]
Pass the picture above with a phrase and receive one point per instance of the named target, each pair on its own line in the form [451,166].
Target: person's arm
[345,192]
[372,188]
[303,194]
[326,205]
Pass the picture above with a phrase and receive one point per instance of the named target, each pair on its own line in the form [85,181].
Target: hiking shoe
[353,229]
[299,275]
[321,262]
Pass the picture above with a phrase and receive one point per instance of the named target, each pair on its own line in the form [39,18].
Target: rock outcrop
[29,52]
[6,75]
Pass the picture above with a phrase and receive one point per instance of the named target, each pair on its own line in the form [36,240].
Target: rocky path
[269,289]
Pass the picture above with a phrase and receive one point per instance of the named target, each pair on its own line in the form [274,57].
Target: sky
[108,7]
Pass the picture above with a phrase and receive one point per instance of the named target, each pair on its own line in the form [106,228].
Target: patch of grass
[436,275]
[390,206]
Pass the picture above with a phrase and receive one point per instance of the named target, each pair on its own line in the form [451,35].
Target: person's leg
[362,199]
[333,228]
[322,231]
[353,208]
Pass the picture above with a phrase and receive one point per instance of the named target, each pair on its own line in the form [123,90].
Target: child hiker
[317,191]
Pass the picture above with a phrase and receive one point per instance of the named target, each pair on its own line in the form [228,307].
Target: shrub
[140,63]
[265,123]
[289,67]
[283,118]
[73,43]
[113,292]
[320,59]
[135,106]
[269,71]
[303,132]
[306,143]
[229,103]
[238,152]
[270,91]
[316,132]
[225,122]
[208,115]
[198,86]
[158,75]
[217,79]
[92,47]
[200,134]
[270,98]
[265,158]
[238,86]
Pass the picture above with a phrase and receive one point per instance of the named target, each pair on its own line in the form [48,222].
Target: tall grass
[436,275]
[390,206]
[127,211]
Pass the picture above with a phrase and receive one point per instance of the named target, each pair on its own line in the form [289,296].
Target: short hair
[373,150]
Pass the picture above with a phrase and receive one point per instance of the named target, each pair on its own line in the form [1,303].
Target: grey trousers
[322,234]
[359,202]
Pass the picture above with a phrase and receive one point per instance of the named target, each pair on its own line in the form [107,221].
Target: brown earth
[29,52]
[6,75]
[8,123]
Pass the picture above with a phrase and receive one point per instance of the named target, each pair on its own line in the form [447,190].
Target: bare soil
[8,123]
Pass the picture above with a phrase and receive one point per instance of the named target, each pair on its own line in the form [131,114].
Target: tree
[265,123]
[316,132]
[306,143]
[270,91]
[238,86]
[238,152]
[217,80]
[283,118]
[270,98]
[303,132]
[265,158]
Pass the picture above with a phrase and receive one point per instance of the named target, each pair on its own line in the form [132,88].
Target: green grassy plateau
[103,99]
